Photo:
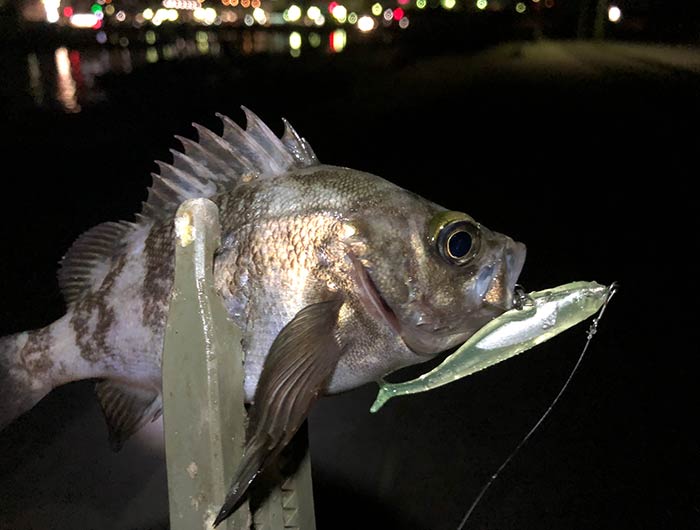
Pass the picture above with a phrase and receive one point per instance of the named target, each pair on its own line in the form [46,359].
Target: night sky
[585,151]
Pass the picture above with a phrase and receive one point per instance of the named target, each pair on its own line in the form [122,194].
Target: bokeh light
[295,40]
[340,13]
[365,23]
[314,39]
[292,13]
[614,14]
[51,9]
[338,40]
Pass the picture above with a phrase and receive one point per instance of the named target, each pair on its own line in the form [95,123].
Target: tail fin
[24,368]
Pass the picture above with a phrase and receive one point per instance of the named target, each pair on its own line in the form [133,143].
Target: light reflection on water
[68,78]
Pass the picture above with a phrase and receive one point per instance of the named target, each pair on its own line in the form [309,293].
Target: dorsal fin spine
[206,158]
[202,172]
[297,146]
[262,134]
[215,164]
[185,182]
[222,150]
[247,147]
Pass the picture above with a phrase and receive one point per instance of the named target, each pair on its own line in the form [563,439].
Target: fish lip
[500,291]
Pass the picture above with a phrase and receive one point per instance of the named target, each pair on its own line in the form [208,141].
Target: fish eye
[456,236]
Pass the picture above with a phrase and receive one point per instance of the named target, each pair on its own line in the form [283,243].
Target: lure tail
[24,373]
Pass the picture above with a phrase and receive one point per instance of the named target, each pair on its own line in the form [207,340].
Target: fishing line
[591,331]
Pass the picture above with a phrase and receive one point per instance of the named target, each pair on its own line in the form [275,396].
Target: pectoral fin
[296,371]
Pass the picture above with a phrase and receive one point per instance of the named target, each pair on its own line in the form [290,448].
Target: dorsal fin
[215,163]
[87,261]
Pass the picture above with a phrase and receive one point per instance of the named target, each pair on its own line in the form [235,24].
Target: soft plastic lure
[543,315]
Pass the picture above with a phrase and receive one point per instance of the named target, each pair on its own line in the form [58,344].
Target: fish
[336,277]
[541,316]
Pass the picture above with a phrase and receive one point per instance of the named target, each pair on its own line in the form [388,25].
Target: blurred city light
[248,20]
[231,16]
[162,14]
[338,40]
[151,55]
[398,13]
[207,15]
[352,18]
[147,13]
[295,40]
[420,4]
[388,15]
[84,20]
[292,13]
[340,13]
[448,4]
[403,23]
[313,12]
[51,8]
[365,23]
[482,4]
[259,15]
[520,7]
[66,88]
[189,5]
[202,39]
[377,9]
[314,39]
[120,16]
[614,14]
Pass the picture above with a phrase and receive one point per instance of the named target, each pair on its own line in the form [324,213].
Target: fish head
[434,276]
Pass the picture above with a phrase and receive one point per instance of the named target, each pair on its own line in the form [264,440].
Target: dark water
[584,151]
[67,78]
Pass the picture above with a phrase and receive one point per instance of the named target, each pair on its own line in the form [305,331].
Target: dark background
[584,150]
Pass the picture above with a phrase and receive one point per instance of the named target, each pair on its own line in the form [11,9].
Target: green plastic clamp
[203,400]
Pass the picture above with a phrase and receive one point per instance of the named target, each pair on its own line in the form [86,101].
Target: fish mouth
[372,298]
[497,296]
[496,288]
[377,306]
